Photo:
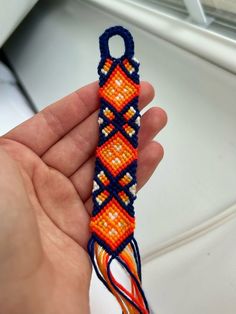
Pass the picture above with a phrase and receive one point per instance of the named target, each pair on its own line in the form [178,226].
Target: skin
[46,172]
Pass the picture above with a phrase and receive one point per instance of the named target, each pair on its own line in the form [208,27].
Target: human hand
[46,173]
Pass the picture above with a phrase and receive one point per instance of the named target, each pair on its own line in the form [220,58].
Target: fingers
[77,146]
[149,158]
[50,124]
[44,129]
[151,124]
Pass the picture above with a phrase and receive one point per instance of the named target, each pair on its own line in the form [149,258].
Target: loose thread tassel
[131,301]
[114,190]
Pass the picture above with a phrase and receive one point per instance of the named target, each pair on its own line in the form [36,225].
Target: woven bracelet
[114,190]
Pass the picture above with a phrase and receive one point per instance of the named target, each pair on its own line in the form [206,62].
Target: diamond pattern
[119,89]
[116,153]
[114,184]
[113,225]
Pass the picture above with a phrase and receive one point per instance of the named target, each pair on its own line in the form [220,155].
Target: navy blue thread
[113,31]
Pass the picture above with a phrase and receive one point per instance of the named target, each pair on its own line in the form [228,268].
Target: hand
[46,172]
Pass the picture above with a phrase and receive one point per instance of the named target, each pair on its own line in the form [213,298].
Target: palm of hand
[47,173]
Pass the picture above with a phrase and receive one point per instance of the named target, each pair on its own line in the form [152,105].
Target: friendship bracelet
[114,189]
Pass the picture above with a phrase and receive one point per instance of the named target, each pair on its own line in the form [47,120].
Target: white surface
[101,300]
[197,278]
[12,13]
[196,178]
[196,11]
[14,108]
[191,234]
[209,45]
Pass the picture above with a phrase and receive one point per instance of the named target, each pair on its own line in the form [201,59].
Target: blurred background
[186,215]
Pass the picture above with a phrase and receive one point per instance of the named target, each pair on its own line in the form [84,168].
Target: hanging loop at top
[113,31]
